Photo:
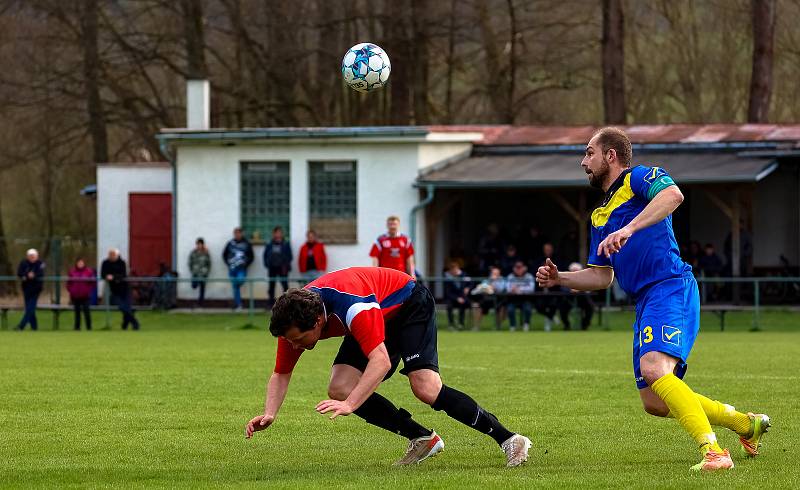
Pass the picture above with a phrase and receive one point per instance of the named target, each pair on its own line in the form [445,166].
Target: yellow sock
[687,410]
[725,416]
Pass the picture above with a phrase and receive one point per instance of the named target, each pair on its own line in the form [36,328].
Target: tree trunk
[399,56]
[194,38]
[91,72]
[420,43]
[613,60]
[5,264]
[761,77]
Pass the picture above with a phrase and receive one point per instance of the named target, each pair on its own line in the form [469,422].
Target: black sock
[467,411]
[382,413]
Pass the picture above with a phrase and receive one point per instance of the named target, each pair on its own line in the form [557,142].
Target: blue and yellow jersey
[650,255]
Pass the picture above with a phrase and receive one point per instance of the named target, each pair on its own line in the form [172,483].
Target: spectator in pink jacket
[82,281]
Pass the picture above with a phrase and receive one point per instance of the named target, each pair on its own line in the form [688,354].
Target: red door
[149,233]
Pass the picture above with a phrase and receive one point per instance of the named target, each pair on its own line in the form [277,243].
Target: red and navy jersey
[357,301]
[392,251]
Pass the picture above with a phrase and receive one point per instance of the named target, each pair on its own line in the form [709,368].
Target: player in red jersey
[385,316]
[393,249]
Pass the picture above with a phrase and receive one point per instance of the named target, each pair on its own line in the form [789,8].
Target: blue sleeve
[646,182]
[595,260]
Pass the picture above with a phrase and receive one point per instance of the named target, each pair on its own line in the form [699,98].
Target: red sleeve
[374,251]
[368,329]
[410,249]
[287,356]
[323,259]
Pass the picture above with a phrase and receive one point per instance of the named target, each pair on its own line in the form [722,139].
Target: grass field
[166,407]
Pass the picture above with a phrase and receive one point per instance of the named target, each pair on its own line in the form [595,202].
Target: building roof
[502,135]
[563,169]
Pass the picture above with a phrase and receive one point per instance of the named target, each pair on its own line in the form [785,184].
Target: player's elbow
[676,195]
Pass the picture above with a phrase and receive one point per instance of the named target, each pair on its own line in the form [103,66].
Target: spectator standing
[519,285]
[456,289]
[312,262]
[547,306]
[710,263]
[200,267]
[277,261]
[508,260]
[490,247]
[489,288]
[114,271]
[238,255]
[80,285]
[30,272]
[393,249]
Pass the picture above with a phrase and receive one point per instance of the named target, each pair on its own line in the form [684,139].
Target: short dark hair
[295,308]
[277,228]
[611,138]
[200,240]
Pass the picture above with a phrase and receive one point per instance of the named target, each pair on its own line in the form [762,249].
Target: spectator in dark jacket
[508,260]
[277,261]
[30,272]
[80,285]
[456,289]
[312,262]
[238,255]
[200,267]
[114,271]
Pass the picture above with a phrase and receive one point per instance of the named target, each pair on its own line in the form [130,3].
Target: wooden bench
[56,309]
[721,310]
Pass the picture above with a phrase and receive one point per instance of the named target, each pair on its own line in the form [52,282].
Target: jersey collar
[615,186]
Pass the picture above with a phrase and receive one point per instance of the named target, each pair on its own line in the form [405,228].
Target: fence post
[57,271]
[107,303]
[250,304]
[757,301]
[604,319]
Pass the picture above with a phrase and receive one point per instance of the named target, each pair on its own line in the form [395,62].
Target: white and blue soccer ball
[366,67]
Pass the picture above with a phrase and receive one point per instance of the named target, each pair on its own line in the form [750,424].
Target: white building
[342,182]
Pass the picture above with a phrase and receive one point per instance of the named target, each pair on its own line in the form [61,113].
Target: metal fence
[718,294]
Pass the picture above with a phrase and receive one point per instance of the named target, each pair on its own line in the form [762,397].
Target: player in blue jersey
[632,238]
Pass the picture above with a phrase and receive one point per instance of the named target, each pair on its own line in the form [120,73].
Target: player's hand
[257,423]
[547,275]
[614,242]
[336,406]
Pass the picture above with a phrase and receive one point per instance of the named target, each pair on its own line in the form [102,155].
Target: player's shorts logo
[671,335]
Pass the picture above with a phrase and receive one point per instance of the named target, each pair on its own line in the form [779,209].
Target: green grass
[166,407]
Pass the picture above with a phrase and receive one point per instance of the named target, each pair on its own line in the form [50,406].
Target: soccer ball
[366,67]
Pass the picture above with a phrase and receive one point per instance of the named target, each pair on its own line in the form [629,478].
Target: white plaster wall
[114,184]
[208,197]
[433,153]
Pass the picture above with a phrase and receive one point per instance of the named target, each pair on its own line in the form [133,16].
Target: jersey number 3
[648,335]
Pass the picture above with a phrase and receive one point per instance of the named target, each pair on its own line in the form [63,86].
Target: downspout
[412,219]
[165,150]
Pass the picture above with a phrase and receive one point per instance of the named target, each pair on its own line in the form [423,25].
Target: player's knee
[652,372]
[338,391]
[425,392]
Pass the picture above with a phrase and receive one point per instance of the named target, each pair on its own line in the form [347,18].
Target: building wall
[776,218]
[114,184]
[208,199]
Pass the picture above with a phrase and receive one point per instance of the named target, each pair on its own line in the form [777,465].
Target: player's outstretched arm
[277,387]
[662,205]
[589,279]
[377,367]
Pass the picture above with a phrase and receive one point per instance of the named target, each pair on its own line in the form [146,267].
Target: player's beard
[597,177]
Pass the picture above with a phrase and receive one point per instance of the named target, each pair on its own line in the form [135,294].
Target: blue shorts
[667,320]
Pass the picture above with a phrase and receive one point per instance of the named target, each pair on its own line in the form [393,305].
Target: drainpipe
[412,219]
[165,150]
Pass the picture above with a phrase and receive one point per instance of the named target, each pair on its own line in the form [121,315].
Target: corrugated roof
[564,170]
[639,134]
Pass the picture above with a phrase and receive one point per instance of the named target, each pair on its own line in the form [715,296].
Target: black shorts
[410,337]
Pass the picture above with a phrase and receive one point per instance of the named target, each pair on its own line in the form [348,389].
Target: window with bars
[333,201]
[265,198]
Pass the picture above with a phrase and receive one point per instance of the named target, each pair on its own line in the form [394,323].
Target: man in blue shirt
[632,237]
